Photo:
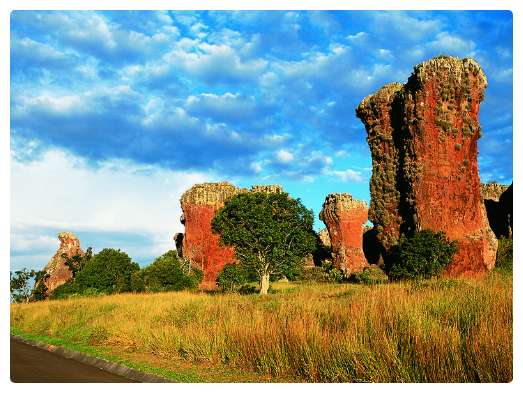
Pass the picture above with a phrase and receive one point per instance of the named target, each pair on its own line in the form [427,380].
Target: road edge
[112,367]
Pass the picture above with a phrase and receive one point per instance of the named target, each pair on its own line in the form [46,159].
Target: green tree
[168,272]
[423,255]
[271,233]
[77,262]
[19,285]
[109,271]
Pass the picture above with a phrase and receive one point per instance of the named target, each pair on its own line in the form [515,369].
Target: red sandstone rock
[434,128]
[57,272]
[345,218]
[199,205]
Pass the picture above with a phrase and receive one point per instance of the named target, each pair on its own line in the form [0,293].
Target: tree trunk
[264,284]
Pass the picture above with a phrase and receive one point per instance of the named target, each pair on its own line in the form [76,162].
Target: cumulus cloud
[284,156]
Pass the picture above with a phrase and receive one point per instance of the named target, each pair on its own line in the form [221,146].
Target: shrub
[168,272]
[109,271]
[423,255]
[326,273]
[65,290]
[371,275]
[231,278]
[504,255]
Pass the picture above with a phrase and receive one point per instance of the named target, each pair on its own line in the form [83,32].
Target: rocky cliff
[426,174]
[345,218]
[56,271]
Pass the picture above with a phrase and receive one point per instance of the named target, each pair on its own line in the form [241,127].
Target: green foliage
[232,278]
[19,285]
[77,262]
[168,272]
[65,290]
[326,273]
[271,233]
[40,289]
[504,255]
[423,255]
[370,276]
[109,271]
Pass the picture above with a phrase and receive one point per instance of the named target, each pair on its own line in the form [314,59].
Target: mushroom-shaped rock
[345,218]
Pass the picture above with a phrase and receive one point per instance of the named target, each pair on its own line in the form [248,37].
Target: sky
[115,114]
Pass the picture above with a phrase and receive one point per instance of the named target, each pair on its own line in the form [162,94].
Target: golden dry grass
[436,331]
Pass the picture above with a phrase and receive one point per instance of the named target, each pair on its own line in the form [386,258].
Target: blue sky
[114,114]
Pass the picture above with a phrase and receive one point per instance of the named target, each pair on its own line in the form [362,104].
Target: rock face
[199,205]
[344,218]
[56,271]
[492,191]
[423,139]
[324,236]
[200,245]
[498,203]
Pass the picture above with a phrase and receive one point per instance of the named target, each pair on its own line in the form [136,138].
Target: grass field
[433,331]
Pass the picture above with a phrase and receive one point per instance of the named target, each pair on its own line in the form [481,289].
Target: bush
[65,290]
[326,273]
[231,278]
[504,255]
[168,272]
[423,255]
[371,275]
[109,271]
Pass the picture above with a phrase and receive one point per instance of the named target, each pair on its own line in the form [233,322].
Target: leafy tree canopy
[271,233]
[109,271]
[168,272]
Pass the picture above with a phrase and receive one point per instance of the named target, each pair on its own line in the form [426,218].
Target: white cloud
[451,44]
[256,167]
[347,175]
[284,156]
[61,192]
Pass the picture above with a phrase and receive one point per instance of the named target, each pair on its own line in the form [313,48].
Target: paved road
[31,364]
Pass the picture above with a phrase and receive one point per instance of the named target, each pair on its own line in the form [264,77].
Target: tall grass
[436,331]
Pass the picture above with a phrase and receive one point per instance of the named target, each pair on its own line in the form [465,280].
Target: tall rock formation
[344,218]
[425,174]
[56,271]
[200,245]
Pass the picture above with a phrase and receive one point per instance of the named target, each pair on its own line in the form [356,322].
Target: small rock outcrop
[325,239]
[344,218]
[56,271]
[423,139]
[498,204]
[492,191]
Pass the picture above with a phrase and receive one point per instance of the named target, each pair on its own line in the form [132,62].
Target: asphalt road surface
[31,364]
